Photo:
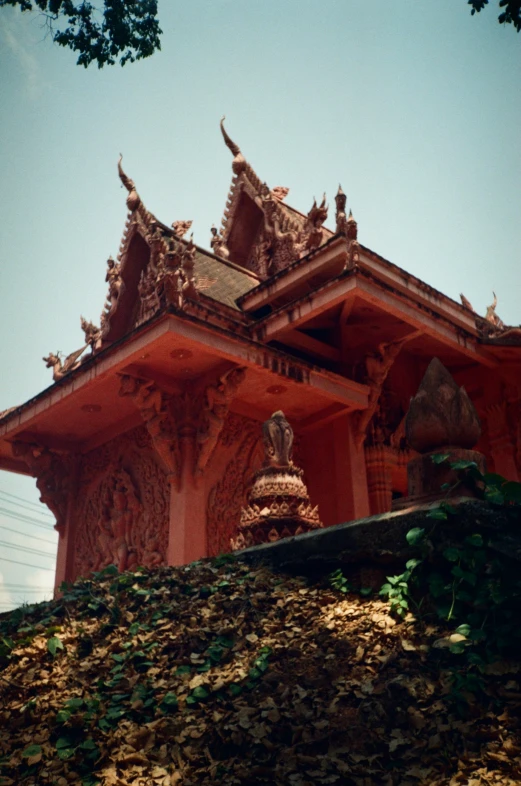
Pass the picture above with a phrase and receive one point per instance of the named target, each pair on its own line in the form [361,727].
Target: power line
[40,509]
[25,519]
[38,505]
[22,586]
[16,562]
[33,537]
[27,549]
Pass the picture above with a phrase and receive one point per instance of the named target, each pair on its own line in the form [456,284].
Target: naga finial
[127,182]
[230,144]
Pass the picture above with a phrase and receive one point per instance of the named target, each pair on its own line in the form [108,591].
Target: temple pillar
[65,554]
[501,445]
[335,471]
[187,531]
[379,462]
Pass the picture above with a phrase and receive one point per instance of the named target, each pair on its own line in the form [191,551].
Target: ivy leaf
[438,513]
[64,748]
[452,554]
[54,644]
[33,754]
[474,540]
[512,491]
[415,536]
[464,630]
[439,458]
[169,703]
[62,716]
[462,464]
[200,693]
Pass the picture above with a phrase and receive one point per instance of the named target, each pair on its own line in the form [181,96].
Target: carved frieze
[185,425]
[121,507]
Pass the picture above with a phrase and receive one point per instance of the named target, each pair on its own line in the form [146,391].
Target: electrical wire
[27,501]
[21,586]
[39,508]
[27,549]
[33,537]
[17,562]
[25,519]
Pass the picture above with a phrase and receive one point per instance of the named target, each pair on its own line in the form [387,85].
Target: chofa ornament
[278,502]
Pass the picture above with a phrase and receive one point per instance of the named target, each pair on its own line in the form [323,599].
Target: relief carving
[158,421]
[122,506]
[218,399]
[229,494]
[377,364]
[195,415]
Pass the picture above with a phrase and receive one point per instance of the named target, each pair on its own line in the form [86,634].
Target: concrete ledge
[381,539]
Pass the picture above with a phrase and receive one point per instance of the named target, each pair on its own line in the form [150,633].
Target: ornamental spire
[230,144]
[133,199]
[239,162]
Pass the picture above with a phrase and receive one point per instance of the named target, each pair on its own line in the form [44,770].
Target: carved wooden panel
[122,506]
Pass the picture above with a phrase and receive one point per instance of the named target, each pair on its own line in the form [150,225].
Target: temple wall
[121,508]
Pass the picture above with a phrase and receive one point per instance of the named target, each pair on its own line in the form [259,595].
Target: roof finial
[340,200]
[127,181]
[230,144]
[133,199]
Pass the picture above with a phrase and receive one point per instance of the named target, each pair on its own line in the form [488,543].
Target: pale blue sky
[413,106]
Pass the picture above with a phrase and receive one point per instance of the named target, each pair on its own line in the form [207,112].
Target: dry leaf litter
[217,673]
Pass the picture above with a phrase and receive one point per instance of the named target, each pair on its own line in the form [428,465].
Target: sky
[413,106]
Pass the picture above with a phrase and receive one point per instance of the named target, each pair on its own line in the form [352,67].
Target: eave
[425,312]
[84,409]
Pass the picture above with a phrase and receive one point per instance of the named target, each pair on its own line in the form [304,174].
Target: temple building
[145,445]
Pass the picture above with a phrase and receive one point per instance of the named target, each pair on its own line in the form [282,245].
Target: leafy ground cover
[220,673]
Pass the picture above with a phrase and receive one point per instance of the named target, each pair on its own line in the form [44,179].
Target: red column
[500,441]
[65,555]
[187,533]
[379,462]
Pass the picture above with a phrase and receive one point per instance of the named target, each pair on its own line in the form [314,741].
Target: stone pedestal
[278,507]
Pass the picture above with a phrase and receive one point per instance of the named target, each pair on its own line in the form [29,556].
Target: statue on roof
[491,316]
[341,218]
[314,234]
[218,245]
[113,279]
[187,268]
[181,227]
[91,332]
[62,367]
[465,302]
[280,193]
